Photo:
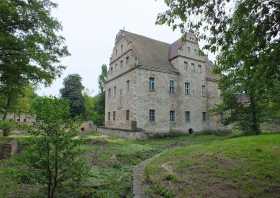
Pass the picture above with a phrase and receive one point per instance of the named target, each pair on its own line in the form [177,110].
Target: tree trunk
[7,107]
[49,173]
[255,123]
[55,172]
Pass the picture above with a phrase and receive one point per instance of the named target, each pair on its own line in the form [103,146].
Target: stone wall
[138,99]
[8,149]
[134,135]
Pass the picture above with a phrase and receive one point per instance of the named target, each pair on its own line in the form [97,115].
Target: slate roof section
[152,54]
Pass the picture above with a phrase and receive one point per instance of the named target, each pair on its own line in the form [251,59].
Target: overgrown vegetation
[237,167]
[111,160]
[30,48]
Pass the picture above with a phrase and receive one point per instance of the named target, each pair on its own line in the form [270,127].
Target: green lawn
[111,160]
[236,167]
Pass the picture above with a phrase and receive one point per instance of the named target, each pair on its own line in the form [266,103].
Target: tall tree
[99,115]
[72,92]
[30,47]
[246,35]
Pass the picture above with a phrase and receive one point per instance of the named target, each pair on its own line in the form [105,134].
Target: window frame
[204,116]
[152,115]
[187,88]
[172,116]
[172,86]
[187,116]
[127,115]
[203,90]
[114,115]
[152,84]
[115,91]
[127,85]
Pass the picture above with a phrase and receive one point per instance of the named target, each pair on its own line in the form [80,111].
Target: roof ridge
[139,35]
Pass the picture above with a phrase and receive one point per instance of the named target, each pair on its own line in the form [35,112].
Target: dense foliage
[72,92]
[54,158]
[99,109]
[30,47]
[246,36]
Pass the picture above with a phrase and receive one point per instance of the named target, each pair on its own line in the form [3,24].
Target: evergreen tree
[72,92]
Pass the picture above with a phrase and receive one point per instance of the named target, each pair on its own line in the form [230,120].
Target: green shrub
[7,126]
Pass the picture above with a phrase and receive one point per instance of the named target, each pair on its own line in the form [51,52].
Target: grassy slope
[113,160]
[237,167]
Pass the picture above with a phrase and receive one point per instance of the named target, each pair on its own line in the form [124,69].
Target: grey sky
[90,27]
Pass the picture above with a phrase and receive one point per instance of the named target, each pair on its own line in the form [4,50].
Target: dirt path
[138,178]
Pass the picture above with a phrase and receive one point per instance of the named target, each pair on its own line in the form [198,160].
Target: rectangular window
[115,91]
[187,116]
[189,49]
[127,114]
[193,67]
[127,85]
[199,68]
[187,88]
[204,116]
[109,92]
[172,116]
[203,91]
[172,87]
[114,115]
[152,116]
[151,84]
[109,116]
[121,64]
[127,60]
[186,66]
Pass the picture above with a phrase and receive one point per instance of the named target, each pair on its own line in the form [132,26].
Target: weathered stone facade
[159,87]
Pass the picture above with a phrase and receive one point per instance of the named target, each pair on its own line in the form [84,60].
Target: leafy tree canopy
[245,34]
[99,109]
[72,92]
[30,46]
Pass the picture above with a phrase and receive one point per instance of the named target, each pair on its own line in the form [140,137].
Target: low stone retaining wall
[135,135]
[8,149]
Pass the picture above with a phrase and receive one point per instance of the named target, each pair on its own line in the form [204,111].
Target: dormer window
[199,68]
[193,67]
[186,65]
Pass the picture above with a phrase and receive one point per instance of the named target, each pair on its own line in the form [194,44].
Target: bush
[7,126]
[54,158]
[218,132]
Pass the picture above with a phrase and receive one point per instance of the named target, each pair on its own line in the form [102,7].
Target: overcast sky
[90,27]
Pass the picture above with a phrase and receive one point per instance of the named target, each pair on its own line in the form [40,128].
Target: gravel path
[138,178]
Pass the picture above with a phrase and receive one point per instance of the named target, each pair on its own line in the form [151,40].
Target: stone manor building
[158,87]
